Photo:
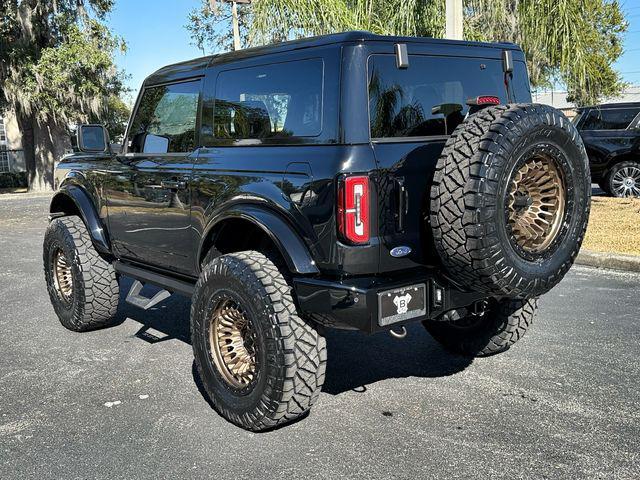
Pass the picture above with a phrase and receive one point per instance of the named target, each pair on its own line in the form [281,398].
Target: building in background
[559,99]
[11,154]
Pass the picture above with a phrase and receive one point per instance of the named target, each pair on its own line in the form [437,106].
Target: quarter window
[165,121]
[609,119]
[270,102]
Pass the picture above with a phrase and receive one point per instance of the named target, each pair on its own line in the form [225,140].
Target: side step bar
[136,299]
[171,285]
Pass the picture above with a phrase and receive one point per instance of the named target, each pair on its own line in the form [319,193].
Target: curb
[614,261]
[25,195]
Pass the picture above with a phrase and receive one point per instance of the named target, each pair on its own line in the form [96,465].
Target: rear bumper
[353,303]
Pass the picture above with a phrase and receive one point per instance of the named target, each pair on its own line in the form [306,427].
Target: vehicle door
[148,187]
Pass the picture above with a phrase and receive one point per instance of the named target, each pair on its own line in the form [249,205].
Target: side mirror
[92,139]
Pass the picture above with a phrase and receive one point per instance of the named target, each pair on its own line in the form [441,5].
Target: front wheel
[82,285]
[260,363]
[493,330]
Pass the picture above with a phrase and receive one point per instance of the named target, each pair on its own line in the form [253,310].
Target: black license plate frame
[395,306]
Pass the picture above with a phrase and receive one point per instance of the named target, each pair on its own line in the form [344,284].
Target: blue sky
[155,34]
[629,63]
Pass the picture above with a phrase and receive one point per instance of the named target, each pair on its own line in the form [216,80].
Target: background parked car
[611,135]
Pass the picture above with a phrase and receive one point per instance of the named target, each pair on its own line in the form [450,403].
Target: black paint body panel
[286,188]
[605,148]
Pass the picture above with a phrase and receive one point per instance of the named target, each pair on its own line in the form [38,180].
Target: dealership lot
[123,402]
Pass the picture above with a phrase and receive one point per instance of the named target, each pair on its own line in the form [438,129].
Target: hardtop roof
[196,66]
[611,105]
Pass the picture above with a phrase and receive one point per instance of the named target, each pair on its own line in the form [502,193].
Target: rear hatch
[412,112]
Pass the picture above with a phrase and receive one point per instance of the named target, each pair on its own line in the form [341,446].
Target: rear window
[429,98]
[609,119]
[268,102]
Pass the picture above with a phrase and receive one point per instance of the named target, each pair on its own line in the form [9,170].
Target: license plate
[402,304]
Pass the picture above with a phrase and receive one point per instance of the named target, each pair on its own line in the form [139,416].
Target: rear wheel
[493,330]
[624,179]
[82,285]
[260,363]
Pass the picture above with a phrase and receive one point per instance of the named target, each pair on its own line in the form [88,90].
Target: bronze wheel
[62,277]
[261,365]
[536,204]
[83,286]
[509,202]
[232,341]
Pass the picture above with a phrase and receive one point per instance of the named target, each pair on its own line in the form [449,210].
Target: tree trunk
[25,125]
[43,145]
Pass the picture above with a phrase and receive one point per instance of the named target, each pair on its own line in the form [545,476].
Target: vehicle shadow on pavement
[167,321]
[355,359]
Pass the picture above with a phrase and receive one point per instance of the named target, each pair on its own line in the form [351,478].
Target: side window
[609,119]
[429,98]
[269,102]
[165,121]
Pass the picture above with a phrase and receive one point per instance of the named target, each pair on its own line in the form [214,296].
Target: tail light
[353,209]
[483,100]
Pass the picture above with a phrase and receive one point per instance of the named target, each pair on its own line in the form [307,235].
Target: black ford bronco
[350,181]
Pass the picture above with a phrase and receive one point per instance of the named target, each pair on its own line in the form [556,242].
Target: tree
[210,26]
[574,42]
[56,68]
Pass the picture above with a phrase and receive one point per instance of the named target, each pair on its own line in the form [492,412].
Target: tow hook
[479,308]
[399,335]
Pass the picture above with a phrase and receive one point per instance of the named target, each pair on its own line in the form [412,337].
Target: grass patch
[614,226]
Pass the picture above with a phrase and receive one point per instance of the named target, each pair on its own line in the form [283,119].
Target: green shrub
[13,180]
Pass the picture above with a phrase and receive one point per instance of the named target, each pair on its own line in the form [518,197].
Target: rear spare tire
[510,200]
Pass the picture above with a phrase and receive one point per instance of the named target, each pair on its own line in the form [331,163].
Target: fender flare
[291,246]
[88,213]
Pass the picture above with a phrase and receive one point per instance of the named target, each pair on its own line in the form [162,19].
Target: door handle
[173,184]
[403,204]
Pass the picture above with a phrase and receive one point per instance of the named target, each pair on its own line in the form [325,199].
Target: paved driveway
[561,404]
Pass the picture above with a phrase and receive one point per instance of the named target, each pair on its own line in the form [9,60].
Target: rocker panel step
[145,276]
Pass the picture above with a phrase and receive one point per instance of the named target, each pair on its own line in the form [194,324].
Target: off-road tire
[503,324]
[95,291]
[291,352]
[468,199]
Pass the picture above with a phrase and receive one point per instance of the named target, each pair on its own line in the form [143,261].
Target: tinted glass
[165,121]
[609,119]
[272,101]
[92,138]
[429,97]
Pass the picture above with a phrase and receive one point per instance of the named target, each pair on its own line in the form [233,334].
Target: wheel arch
[245,226]
[626,156]
[74,200]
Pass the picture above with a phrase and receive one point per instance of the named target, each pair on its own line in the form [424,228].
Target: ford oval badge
[402,251]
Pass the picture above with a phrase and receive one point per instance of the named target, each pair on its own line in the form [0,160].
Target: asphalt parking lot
[563,403]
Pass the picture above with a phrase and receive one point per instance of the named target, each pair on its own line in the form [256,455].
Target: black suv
[350,181]
[611,134]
